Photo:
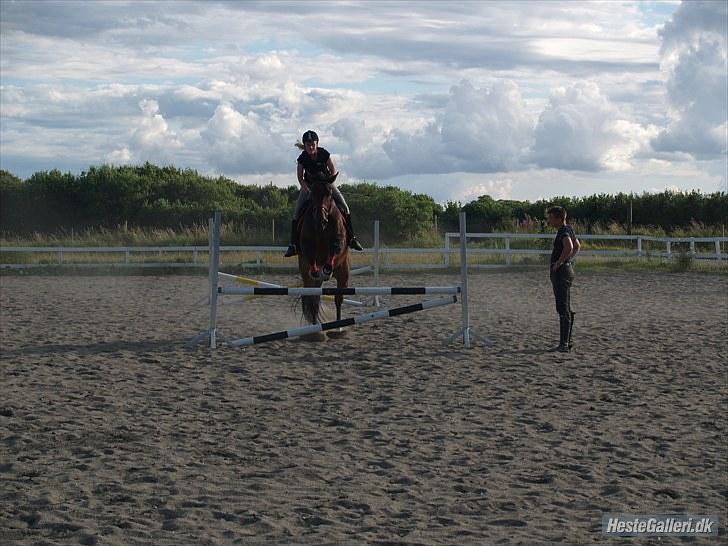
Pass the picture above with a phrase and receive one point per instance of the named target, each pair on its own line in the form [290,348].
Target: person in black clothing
[313,158]
[566,245]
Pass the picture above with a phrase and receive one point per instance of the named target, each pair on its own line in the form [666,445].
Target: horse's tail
[311,308]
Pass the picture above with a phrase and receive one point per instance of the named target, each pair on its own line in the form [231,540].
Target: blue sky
[455,99]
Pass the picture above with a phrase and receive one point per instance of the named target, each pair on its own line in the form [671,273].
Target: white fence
[507,246]
[638,249]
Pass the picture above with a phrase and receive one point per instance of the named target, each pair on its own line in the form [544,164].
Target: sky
[457,99]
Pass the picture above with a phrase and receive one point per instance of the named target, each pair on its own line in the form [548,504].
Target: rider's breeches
[336,194]
[300,202]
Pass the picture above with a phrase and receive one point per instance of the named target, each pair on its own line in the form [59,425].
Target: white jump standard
[260,288]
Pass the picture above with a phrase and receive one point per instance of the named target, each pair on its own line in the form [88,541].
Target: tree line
[149,196]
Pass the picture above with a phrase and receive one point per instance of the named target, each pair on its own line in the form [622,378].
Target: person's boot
[292,247]
[353,241]
[571,329]
[564,326]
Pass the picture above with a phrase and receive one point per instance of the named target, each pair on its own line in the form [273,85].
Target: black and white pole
[465,331]
[333,291]
[359,319]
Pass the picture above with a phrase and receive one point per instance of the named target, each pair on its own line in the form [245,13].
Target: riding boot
[571,329]
[564,328]
[292,247]
[353,241]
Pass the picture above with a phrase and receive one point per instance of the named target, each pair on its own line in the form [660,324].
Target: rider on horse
[316,159]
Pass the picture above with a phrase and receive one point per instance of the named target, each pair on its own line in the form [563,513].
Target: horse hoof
[338,333]
[317,336]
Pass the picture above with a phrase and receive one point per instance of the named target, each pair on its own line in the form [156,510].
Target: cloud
[242,143]
[695,58]
[152,140]
[123,81]
[581,130]
[478,130]
[692,21]
[122,156]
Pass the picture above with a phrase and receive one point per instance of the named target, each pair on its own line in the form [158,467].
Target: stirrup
[291,251]
[355,244]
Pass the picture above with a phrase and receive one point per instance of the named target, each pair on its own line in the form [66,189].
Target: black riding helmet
[309,135]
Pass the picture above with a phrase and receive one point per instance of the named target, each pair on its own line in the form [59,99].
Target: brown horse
[323,245]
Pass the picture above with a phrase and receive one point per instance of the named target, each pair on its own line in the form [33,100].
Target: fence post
[668,244]
[447,251]
[257,259]
[194,256]
[60,256]
[692,245]
[377,302]
[717,250]
[213,277]
[126,256]
[508,251]
[639,246]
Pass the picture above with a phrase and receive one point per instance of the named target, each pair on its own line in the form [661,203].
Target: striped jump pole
[359,319]
[262,284]
[350,291]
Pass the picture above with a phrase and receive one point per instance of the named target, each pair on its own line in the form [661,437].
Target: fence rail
[263,256]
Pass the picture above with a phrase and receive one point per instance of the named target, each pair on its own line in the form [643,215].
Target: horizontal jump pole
[256,282]
[246,280]
[350,291]
[361,270]
[359,319]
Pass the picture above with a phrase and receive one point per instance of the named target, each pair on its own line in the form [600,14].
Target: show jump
[452,294]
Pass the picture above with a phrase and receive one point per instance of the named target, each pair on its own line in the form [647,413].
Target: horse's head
[320,184]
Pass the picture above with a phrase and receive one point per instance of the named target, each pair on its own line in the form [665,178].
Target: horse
[323,247]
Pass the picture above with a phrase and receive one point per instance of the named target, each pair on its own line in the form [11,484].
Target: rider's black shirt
[315,164]
[564,231]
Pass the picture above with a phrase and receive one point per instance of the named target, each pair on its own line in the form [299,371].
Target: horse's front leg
[330,264]
[338,300]
[342,281]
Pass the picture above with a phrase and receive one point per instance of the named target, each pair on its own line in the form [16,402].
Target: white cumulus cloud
[153,140]
[695,58]
[478,130]
[244,143]
[580,129]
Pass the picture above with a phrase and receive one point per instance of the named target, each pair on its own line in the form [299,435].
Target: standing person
[314,158]
[566,245]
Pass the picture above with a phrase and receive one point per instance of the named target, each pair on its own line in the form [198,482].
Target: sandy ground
[112,433]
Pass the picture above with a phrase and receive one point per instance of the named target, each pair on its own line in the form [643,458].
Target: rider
[316,159]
